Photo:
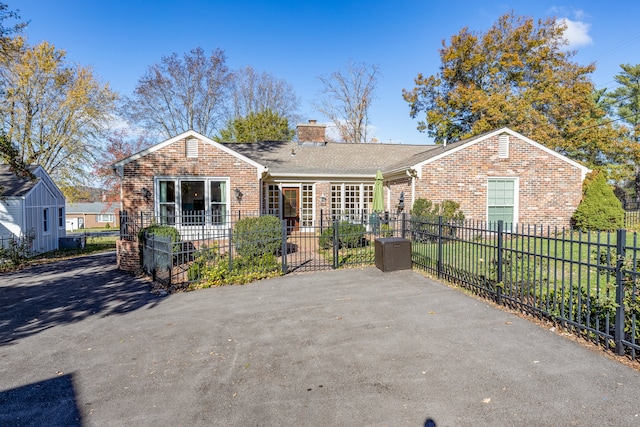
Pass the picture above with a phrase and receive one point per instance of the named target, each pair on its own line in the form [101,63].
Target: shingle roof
[90,207]
[330,158]
[15,186]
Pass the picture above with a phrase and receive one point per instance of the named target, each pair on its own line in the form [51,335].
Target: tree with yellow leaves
[54,112]
[517,74]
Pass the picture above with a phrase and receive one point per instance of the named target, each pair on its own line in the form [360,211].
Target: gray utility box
[72,242]
[393,253]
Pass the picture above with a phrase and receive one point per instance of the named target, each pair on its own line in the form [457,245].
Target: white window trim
[516,198]
[61,218]
[46,219]
[100,217]
[178,203]
[361,193]
[313,205]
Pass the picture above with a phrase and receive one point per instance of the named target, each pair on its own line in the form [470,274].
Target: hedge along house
[31,207]
[500,175]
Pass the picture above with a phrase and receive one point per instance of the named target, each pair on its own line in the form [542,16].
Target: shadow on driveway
[51,402]
[40,297]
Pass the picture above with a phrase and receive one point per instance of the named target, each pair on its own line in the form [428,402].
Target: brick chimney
[311,132]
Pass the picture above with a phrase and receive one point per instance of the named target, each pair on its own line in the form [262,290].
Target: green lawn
[579,258]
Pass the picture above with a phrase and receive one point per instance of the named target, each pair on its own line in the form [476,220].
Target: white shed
[34,207]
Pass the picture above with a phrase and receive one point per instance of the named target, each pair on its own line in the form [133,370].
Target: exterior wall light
[146,194]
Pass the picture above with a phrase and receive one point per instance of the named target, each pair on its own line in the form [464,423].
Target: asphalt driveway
[83,344]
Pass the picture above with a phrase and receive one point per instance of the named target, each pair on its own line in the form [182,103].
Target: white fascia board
[118,166]
[39,173]
[549,151]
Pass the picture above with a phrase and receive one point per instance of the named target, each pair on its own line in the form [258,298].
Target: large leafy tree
[54,112]
[254,92]
[181,93]
[517,74]
[266,125]
[623,106]
[9,153]
[346,97]
[625,99]
[8,48]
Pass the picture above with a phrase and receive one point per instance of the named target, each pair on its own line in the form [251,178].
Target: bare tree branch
[181,93]
[255,93]
[346,97]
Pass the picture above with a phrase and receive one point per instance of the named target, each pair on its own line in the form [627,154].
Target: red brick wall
[172,161]
[396,187]
[323,187]
[550,189]
[311,132]
[128,256]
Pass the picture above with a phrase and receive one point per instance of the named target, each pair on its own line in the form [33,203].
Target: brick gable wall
[172,161]
[550,189]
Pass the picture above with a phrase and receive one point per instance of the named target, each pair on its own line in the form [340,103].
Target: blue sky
[300,40]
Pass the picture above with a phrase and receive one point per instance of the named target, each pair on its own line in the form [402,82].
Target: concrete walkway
[83,344]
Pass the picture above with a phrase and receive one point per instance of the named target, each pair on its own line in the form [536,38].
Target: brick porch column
[128,256]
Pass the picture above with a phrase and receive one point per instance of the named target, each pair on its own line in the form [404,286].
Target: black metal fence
[631,218]
[587,282]
[202,248]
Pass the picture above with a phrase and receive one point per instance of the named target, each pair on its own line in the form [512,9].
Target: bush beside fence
[248,247]
[584,281]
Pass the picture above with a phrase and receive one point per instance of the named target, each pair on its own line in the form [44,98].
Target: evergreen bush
[349,236]
[258,236]
[599,209]
[448,209]
[159,230]
[425,216]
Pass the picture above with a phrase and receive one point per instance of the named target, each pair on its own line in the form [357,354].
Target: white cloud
[576,33]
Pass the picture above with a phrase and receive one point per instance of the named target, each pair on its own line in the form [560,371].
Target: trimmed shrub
[448,209]
[326,238]
[349,236]
[599,209]
[257,236]
[424,219]
[159,230]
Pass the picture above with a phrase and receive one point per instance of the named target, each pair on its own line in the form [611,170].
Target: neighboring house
[92,215]
[31,207]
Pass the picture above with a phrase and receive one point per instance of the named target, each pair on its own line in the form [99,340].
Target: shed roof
[16,186]
[91,208]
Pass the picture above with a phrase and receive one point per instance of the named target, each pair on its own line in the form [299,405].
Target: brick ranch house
[499,175]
